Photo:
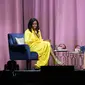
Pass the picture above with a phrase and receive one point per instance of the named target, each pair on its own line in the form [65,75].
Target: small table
[70,58]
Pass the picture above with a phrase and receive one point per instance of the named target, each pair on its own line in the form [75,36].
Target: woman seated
[34,39]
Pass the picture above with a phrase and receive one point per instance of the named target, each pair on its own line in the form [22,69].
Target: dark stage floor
[44,76]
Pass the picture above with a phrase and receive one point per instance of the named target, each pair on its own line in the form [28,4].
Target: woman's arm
[28,37]
[43,39]
[40,36]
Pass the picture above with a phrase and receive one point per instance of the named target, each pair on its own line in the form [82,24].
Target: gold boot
[58,62]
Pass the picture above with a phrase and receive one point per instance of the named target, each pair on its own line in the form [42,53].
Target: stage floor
[43,77]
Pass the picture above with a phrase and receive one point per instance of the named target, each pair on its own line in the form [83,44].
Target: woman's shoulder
[27,31]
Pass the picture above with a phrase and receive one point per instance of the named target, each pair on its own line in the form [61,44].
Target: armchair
[20,51]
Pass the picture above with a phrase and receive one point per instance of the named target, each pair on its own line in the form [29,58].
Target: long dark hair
[31,22]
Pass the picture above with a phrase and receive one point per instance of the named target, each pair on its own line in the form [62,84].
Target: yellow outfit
[37,44]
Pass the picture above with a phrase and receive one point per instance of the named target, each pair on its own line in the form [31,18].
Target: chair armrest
[18,48]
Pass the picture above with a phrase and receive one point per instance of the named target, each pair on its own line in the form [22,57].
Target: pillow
[20,40]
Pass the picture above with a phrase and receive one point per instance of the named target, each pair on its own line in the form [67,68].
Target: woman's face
[34,25]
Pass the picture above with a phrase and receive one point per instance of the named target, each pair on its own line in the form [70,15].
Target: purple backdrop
[62,21]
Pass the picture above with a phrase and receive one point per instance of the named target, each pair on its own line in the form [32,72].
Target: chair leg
[5,67]
[28,64]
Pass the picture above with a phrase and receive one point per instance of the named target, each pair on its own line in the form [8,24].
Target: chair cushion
[12,36]
[19,40]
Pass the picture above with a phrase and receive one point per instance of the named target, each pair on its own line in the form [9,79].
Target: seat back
[12,36]
[17,52]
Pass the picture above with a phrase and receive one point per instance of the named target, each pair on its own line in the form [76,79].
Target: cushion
[19,40]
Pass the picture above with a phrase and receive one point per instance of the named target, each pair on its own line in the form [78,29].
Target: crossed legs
[54,57]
